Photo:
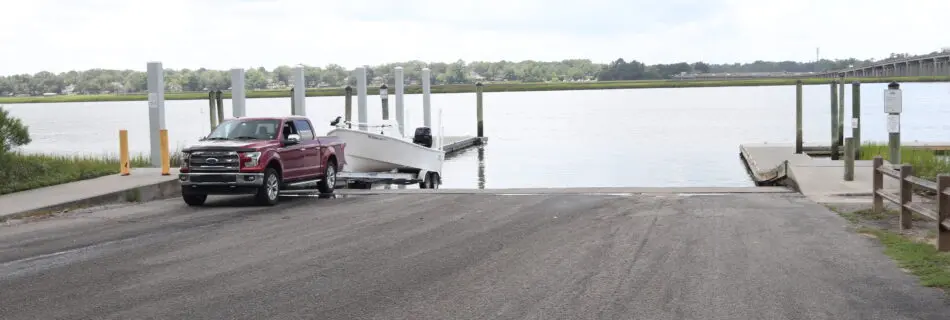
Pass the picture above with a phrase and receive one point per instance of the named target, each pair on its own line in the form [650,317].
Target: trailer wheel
[431,181]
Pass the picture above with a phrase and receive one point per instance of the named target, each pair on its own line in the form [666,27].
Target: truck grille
[214,161]
[214,178]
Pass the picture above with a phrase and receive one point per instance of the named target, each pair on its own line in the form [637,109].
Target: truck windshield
[245,129]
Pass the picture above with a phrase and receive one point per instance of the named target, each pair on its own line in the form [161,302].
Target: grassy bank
[21,172]
[913,250]
[926,163]
[492,87]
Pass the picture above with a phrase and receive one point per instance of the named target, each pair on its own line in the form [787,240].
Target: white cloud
[63,35]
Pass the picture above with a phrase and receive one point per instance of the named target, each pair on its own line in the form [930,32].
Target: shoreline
[467,88]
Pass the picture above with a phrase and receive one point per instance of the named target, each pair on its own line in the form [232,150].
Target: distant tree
[13,133]
[700,67]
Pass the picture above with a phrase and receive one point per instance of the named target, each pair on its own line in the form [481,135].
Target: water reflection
[481,167]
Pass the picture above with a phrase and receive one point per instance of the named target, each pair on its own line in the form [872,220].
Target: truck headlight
[250,159]
[185,159]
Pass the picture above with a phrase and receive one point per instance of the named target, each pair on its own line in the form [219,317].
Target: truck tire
[194,199]
[269,193]
[329,179]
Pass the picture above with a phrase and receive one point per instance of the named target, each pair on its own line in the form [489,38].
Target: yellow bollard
[124,152]
[163,138]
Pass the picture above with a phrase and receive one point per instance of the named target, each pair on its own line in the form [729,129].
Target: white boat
[383,149]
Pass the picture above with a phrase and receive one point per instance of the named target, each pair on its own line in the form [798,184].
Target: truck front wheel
[194,199]
[268,193]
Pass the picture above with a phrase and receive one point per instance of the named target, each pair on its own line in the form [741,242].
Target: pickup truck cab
[260,156]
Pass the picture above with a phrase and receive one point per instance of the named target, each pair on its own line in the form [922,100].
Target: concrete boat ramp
[762,253]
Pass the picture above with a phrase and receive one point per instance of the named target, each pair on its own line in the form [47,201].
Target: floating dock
[453,144]
[818,178]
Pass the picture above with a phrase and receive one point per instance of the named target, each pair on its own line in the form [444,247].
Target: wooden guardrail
[906,192]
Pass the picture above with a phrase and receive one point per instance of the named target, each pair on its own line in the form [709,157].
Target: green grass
[926,163]
[921,259]
[491,87]
[21,172]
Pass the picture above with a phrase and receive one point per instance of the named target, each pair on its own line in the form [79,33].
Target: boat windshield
[239,129]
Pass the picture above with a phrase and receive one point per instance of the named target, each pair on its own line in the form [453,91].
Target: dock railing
[908,183]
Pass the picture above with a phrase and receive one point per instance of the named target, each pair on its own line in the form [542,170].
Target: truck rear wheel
[269,193]
[329,178]
[194,199]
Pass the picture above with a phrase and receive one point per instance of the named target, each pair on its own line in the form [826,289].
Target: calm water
[645,137]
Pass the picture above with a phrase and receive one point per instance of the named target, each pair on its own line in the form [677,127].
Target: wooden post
[166,160]
[877,183]
[841,111]
[478,110]
[907,193]
[220,99]
[384,97]
[849,159]
[124,165]
[856,117]
[799,143]
[834,120]
[943,212]
[348,103]
[212,114]
[292,107]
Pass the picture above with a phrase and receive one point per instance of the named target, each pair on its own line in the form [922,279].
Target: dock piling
[799,143]
[856,117]
[384,97]
[478,110]
[841,111]
[220,100]
[849,159]
[212,113]
[238,93]
[156,109]
[361,98]
[426,102]
[400,108]
[348,103]
[834,121]
[292,101]
[300,96]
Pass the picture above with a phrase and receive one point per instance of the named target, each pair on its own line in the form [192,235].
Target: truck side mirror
[291,139]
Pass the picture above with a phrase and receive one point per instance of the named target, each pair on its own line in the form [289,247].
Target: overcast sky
[62,35]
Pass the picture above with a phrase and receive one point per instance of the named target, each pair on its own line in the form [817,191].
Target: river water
[592,138]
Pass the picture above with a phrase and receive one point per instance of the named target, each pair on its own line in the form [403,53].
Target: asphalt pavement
[457,256]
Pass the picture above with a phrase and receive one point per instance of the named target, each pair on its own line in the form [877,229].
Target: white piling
[300,92]
[400,110]
[363,116]
[238,93]
[426,105]
[156,110]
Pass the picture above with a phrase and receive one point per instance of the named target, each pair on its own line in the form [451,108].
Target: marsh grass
[25,171]
[926,163]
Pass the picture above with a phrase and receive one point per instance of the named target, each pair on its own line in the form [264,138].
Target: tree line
[105,81]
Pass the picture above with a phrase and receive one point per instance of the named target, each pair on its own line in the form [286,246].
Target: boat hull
[373,152]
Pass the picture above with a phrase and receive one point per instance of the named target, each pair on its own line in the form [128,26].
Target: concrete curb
[155,191]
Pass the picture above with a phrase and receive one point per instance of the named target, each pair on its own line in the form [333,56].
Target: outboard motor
[423,137]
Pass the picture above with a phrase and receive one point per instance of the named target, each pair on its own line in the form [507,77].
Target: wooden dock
[453,144]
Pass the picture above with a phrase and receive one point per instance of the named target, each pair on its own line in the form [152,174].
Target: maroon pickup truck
[260,156]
